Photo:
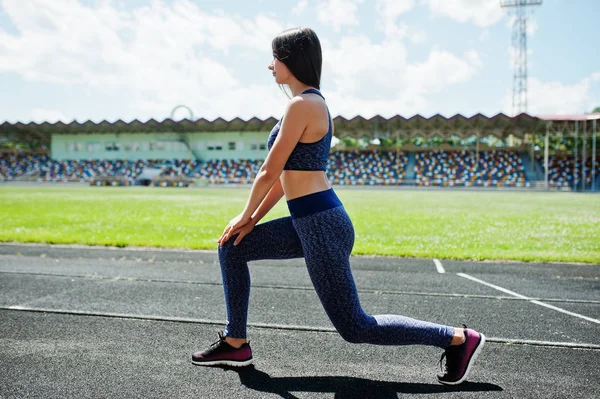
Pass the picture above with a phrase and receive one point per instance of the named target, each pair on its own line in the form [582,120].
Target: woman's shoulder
[299,104]
[305,102]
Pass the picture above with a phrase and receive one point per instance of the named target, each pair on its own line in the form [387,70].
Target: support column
[531,151]
[594,156]
[583,156]
[397,159]
[477,149]
[575,169]
[546,144]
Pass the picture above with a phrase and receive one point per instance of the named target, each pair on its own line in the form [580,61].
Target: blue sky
[138,59]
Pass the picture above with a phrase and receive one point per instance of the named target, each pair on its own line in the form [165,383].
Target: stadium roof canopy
[500,126]
[571,118]
[569,123]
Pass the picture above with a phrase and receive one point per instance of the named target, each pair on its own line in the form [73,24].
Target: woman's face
[280,71]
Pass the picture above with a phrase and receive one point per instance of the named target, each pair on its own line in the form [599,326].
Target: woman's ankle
[459,337]
[235,342]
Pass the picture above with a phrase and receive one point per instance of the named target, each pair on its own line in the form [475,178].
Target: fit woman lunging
[318,229]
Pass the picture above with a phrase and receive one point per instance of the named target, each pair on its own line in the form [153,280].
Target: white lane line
[174,319]
[438,266]
[493,286]
[565,311]
[541,343]
[529,299]
[130,316]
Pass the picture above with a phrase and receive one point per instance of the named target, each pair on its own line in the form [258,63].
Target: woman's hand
[244,230]
[239,224]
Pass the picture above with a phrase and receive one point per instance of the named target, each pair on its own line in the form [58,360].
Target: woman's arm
[292,127]
[269,202]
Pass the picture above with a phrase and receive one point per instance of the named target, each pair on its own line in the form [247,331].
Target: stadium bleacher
[561,170]
[173,167]
[348,168]
[469,168]
[369,167]
[366,167]
[66,171]
[13,165]
[229,171]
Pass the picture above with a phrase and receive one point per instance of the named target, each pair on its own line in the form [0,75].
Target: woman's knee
[354,330]
[351,334]
[229,251]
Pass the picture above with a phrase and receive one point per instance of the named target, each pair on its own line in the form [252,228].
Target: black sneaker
[460,358]
[221,353]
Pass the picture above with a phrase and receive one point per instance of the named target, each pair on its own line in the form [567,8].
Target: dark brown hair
[300,50]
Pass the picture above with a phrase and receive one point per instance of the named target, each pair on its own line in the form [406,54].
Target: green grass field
[527,226]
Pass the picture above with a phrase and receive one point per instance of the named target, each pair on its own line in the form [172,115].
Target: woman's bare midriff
[298,183]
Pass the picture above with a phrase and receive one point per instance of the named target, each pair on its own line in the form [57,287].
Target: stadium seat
[466,168]
[561,171]
[369,167]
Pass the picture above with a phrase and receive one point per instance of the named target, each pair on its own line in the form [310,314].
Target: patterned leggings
[325,239]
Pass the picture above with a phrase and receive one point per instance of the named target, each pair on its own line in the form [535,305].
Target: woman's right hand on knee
[240,231]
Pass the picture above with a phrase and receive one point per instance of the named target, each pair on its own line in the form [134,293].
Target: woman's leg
[327,239]
[276,239]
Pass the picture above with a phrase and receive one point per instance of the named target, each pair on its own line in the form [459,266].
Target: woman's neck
[298,87]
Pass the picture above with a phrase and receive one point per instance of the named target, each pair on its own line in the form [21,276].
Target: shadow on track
[345,387]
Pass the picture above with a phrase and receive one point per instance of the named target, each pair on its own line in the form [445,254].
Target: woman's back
[305,171]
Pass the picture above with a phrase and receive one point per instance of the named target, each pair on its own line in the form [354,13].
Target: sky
[138,59]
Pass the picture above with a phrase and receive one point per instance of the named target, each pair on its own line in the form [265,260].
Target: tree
[597,109]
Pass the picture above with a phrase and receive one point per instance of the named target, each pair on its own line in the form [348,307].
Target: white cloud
[389,11]
[394,8]
[532,26]
[545,98]
[483,13]
[48,115]
[338,13]
[403,31]
[442,69]
[417,36]
[363,68]
[300,7]
[376,78]
[169,53]
[158,55]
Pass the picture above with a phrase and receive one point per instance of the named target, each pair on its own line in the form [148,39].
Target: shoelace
[450,354]
[450,363]
[221,340]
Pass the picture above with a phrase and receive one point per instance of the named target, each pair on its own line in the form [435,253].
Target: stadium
[112,272]
[399,163]
[449,152]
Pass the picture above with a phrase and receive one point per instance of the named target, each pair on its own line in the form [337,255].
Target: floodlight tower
[519,43]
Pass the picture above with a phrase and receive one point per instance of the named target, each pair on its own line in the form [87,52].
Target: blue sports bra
[306,156]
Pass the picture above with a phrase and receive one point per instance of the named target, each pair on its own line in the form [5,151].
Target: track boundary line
[133,248]
[438,266]
[570,345]
[303,288]
[534,301]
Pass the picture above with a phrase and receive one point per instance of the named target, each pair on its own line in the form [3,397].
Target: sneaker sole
[232,363]
[469,365]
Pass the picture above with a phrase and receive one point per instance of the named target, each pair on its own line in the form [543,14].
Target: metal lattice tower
[519,43]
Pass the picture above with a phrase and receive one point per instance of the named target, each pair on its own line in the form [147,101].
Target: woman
[318,229]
